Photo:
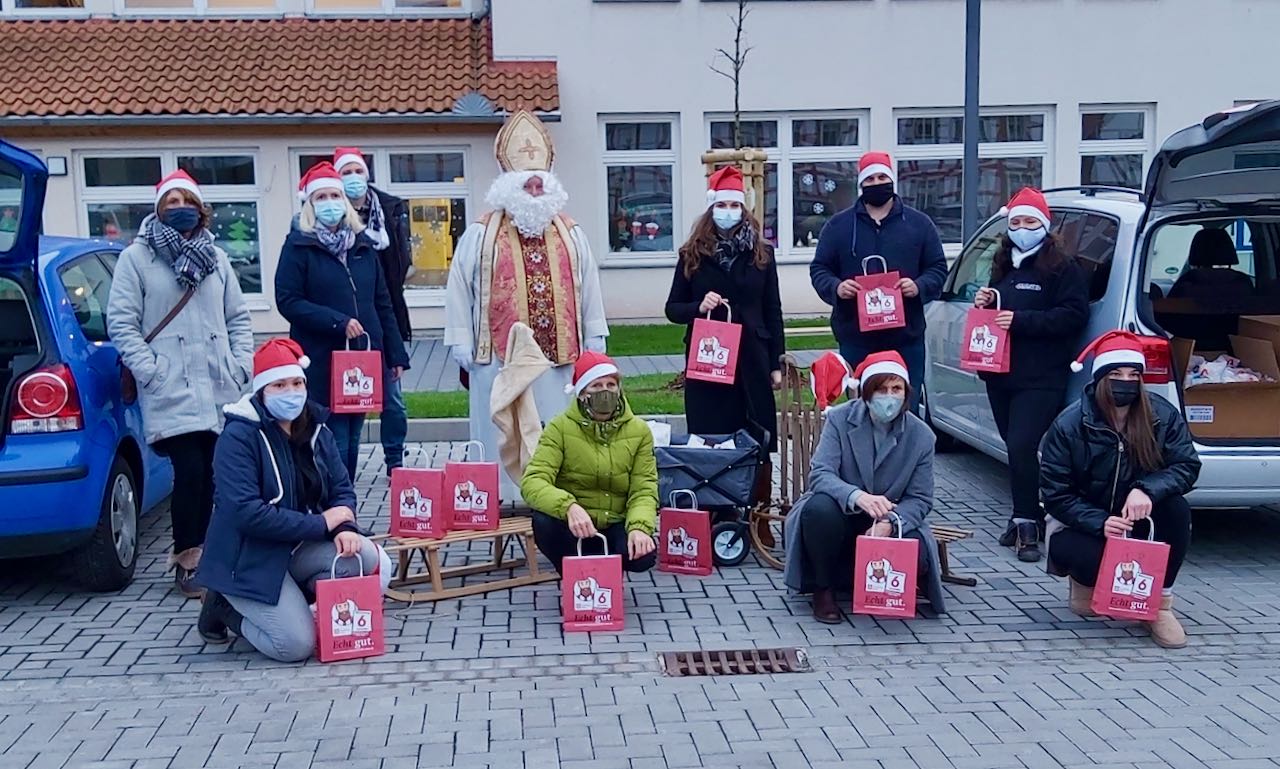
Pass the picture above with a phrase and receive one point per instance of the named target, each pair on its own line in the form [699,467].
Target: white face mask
[726,218]
[1026,239]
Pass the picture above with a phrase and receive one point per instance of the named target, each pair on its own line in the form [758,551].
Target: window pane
[760,134]
[1112,125]
[824,133]
[428,3]
[1011,128]
[341,5]
[435,225]
[1114,170]
[637,136]
[117,221]
[218,169]
[232,4]
[306,161]
[235,230]
[640,208]
[427,167]
[88,286]
[934,186]
[930,130]
[770,223]
[121,172]
[143,4]
[50,4]
[818,190]
[974,269]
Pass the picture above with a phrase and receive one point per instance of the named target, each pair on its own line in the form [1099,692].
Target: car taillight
[46,401]
[1159,367]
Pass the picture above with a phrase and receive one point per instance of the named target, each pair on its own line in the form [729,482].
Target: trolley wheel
[729,545]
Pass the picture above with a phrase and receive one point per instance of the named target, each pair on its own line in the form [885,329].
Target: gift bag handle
[995,291]
[895,517]
[884,265]
[671,498]
[368,341]
[1151,531]
[728,311]
[333,569]
[417,450]
[466,450]
[604,543]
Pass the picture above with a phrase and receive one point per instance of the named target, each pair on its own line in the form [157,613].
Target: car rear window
[17,330]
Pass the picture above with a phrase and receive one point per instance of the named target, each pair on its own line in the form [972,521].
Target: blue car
[75,472]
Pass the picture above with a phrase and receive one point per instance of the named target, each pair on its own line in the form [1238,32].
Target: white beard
[531,216]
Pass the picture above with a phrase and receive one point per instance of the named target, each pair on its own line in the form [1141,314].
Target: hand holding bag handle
[995,291]
[728,311]
[333,568]
[604,544]
[898,526]
[1151,530]
[128,383]
[368,345]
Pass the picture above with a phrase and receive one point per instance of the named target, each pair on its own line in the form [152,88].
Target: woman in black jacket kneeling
[1118,461]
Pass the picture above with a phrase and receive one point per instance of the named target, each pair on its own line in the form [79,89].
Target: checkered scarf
[735,243]
[192,259]
[337,242]
[376,222]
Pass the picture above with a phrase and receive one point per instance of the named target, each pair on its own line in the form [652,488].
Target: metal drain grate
[740,662]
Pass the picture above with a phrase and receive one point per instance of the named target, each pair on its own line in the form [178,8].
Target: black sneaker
[392,466]
[217,616]
[1010,536]
[1028,542]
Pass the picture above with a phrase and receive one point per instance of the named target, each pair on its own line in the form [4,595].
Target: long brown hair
[702,242]
[1138,430]
[1048,259]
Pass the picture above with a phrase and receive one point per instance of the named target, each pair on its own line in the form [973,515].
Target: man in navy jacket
[879,224]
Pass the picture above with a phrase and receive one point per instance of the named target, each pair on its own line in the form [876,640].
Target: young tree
[733,71]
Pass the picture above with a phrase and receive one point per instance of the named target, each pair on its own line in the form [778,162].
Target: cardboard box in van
[1266,327]
[1237,409]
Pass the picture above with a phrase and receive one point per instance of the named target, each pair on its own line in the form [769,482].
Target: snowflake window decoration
[818,208]
[829,186]
[807,180]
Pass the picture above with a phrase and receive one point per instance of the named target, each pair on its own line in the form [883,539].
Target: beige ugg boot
[1167,631]
[1081,601]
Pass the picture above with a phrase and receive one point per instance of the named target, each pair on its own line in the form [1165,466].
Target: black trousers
[1080,553]
[830,535]
[1023,417]
[191,505]
[554,539]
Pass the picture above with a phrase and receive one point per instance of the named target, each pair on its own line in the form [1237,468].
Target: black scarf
[734,243]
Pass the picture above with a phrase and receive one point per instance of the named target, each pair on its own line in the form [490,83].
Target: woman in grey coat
[874,461]
[190,367]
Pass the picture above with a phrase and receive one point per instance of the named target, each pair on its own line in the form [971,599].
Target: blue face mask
[726,218]
[355,186]
[1026,239]
[181,218]
[885,408]
[330,212]
[285,406]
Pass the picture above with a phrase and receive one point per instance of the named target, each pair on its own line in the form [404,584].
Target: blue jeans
[853,352]
[395,421]
[346,430]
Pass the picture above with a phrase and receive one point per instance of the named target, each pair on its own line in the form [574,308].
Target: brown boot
[1167,631]
[1081,601]
[765,532]
[825,609]
[184,567]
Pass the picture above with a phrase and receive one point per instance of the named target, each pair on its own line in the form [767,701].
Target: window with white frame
[811,170]
[640,170]
[433,183]
[42,7]
[423,7]
[1013,152]
[1115,143]
[117,191]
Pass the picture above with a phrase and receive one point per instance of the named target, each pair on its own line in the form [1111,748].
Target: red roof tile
[259,67]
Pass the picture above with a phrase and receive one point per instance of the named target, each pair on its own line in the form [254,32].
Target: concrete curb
[445,430]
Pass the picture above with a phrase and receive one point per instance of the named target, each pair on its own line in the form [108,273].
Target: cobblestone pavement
[1008,679]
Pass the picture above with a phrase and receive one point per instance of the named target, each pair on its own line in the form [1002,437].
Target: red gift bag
[684,537]
[471,489]
[984,346]
[349,617]
[417,503]
[884,575]
[591,591]
[355,381]
[713,349]
[1131,578]
[880,300]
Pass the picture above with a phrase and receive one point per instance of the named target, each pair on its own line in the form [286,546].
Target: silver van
[1186,260]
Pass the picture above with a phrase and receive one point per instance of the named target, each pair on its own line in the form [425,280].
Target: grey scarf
[337,242]
[192,259]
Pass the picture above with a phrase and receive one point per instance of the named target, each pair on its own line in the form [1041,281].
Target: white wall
[1186,57]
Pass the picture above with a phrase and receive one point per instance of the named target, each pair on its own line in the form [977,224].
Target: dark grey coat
[845,461]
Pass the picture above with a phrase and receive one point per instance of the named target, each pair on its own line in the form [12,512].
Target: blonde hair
[307,219]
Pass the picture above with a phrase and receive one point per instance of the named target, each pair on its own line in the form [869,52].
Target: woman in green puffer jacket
[594,473]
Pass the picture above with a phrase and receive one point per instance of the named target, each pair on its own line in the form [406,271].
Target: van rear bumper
[1237,479]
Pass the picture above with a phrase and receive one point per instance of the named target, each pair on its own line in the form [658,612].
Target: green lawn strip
[668,338]
[648,394]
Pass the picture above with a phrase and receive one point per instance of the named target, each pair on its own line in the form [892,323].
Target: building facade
[1073,91]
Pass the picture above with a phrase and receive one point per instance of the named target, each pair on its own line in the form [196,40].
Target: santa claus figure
[524,262]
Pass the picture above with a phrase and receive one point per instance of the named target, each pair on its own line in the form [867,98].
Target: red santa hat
[888,362]
[590,367]
[872,163]
[829,377]
[178,180]
[726,185]
[1030,201]
[345,155]
[321,176]
[1112,350]
[278,359]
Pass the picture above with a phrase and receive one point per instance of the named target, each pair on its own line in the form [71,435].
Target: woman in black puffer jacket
[1118,457]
